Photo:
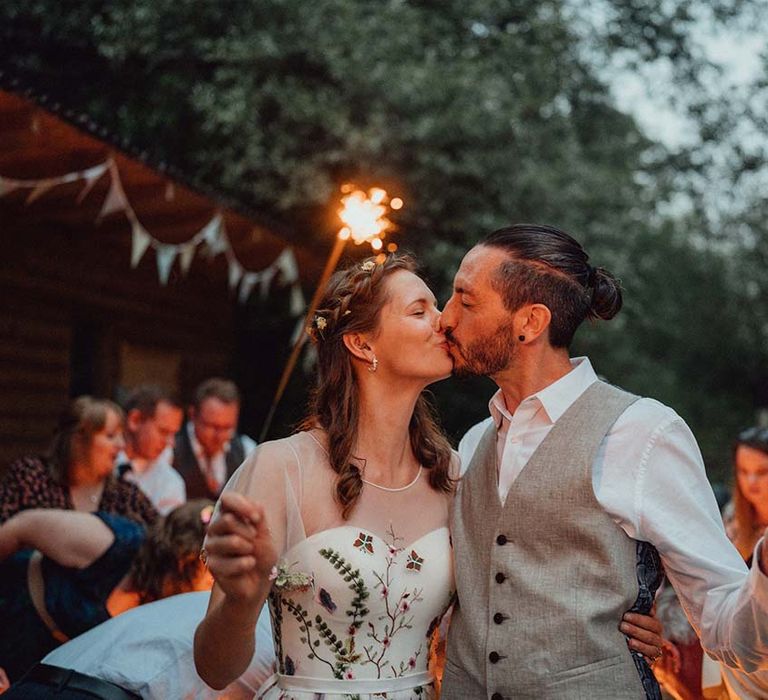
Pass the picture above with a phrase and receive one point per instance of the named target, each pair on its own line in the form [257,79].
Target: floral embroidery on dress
[414,561]
[286,580]
[364,543]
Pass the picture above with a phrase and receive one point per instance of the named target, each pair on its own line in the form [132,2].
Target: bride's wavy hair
[352,303]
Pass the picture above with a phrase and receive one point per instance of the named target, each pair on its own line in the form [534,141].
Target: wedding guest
[208,448]
[64,572]
[747,515]
[77,472]
[152,419]
[148,651]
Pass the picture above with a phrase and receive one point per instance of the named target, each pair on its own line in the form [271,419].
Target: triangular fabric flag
[213,235]
[186,254]
[115,200]
[266,277]
[286,263]
[139,242]
[300,328]
[246,286]
[40,189]
[91,177]
[166,254]
[298,303]
[7,186]
[235,271]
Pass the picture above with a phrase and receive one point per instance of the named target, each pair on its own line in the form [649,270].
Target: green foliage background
[478,113]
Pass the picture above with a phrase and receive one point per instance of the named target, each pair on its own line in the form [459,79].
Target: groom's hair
[547,266]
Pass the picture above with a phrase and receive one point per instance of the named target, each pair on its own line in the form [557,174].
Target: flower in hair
[320,323]
[368,265]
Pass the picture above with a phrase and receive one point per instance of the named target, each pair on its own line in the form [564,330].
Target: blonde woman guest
[77,472]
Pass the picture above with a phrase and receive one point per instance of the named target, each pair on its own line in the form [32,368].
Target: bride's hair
[351,303]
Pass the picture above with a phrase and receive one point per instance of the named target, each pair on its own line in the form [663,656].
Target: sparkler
[364,215]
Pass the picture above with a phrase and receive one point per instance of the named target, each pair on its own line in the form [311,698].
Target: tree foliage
[478,113]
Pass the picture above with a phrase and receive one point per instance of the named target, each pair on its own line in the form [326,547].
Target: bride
[342,528]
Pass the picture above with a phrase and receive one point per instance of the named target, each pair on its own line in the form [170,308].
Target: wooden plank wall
[58,278]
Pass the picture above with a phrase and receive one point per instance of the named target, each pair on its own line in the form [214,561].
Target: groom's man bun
[548,266]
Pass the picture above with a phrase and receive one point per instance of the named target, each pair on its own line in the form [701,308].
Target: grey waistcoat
[543,582]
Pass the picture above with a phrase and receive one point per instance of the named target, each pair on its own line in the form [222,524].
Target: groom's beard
[488,355]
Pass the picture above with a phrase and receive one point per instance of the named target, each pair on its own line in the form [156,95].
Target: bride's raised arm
[248,533]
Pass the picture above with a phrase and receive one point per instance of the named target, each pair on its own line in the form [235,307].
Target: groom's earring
[521,338]
[374,365]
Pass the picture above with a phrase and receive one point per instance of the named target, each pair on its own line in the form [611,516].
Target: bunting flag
[92,176]
[7,186]
[286,263]
[298,303]
[247,283]
[166,255]
[265,279]
[39,190]
[235,270]
[213,234]
[186,254]
[115,201]
[140,241]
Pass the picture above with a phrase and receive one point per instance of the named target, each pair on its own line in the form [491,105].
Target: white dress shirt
[649,476]
[218,463]
[161,483]
[148,651]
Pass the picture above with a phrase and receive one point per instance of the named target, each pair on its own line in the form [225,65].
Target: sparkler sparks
[364,215]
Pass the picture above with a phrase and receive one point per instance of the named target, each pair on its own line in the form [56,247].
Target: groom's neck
[532,370]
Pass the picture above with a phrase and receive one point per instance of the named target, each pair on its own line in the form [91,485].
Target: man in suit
[575,492]
[152,419]
[208,449]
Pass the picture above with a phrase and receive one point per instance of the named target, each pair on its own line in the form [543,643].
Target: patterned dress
[355,603]
[357,619]
[27,483]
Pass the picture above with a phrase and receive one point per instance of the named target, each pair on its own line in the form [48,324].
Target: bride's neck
[383,439]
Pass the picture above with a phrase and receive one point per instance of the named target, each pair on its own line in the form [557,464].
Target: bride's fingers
[229,523]
[228,546]
[242,507]
[227,567]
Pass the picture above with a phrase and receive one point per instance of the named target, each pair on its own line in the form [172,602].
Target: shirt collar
[556,398]
[197,448]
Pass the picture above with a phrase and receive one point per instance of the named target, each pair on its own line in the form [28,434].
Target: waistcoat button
[493,657]
[501,539]
[500,578]
[498,618]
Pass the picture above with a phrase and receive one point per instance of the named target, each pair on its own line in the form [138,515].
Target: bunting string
[212,236]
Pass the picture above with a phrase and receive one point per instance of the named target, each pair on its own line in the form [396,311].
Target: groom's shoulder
[468,444]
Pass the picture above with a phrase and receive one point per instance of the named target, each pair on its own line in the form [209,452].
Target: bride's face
[408,341]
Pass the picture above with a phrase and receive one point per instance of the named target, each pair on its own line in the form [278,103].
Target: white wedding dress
[355,603]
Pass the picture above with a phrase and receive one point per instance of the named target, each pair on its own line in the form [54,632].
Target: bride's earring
[374,364]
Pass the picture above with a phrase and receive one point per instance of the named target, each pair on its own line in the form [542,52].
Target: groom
[574,491]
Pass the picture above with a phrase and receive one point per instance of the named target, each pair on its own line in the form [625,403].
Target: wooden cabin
[79,316]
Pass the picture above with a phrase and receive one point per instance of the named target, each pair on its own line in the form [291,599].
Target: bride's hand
[239,549]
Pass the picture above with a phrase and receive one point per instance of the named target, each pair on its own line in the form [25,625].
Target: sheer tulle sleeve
[272,476]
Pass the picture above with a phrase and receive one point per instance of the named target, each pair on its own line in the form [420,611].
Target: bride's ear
[357,344]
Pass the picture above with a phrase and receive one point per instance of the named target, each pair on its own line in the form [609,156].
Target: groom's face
[477,325]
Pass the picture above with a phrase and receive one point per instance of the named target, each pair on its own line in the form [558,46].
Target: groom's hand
[644,634]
